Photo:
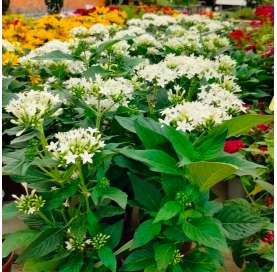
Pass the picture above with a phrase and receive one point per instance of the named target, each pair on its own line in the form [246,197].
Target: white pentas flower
[30,203]
[158,74]
[228,83]
[146,40]
[31,107]
[80,31]
[102,94]
[76,145]
[189,116]
[225,64]
[76,243]
[215,95]
[191,66]
[99,30]
[121,48]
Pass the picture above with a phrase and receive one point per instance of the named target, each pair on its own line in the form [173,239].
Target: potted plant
[54,6]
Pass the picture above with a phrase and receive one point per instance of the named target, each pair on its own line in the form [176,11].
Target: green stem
[83,186]
[247,193]
[45,218]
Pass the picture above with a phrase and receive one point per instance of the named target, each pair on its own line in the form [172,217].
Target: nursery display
[118,130]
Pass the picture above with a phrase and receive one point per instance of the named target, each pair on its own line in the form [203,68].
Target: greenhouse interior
[137,136]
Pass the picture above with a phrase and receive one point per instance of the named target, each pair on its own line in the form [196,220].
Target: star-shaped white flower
[86,157]
[70,158]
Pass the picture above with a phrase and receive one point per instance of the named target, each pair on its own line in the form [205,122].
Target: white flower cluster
[54,45]
[202,23]
[31,107]
[76,145]
[106,95]
[174,67]
[215,95]
[30,203]
[76,243]
[72,66]
[189,116]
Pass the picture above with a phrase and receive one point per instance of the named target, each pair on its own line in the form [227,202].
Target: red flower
[237,34]
[269,237]
[263,148]
[269,200]
[81,12]
[255,23]
[265,13]
[233,146]
[250,47]
[263,127]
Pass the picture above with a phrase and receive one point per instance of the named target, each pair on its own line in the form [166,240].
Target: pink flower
[233,146]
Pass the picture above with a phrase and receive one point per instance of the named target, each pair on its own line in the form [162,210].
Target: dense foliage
[119,135]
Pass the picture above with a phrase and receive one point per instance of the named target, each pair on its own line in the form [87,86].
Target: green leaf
[244,166]
[167,211]
[116,195]
[157,160]
[9,211]
[138,260]
[54,55]
[48,241]
[17,240]
[72,264]
[107,258]
[172,184]
[146,232]
[56,198]
[127,122]
[94,70]
[210,145]
[92,223]
[241,124]
[202,261]
[182,145]
[164,254]
[115,231]
[146,194]
[149,137]
[41,265]
[205,231]
[239,219]
[206,174]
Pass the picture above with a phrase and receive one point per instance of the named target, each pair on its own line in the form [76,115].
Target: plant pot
[54,6]
[7,263]
[5,5]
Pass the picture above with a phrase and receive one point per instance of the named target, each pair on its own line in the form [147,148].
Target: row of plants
[119,136]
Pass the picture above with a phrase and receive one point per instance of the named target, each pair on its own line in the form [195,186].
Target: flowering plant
[119,141]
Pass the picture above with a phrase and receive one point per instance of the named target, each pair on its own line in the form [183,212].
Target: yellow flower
[9,58]
[35,79]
